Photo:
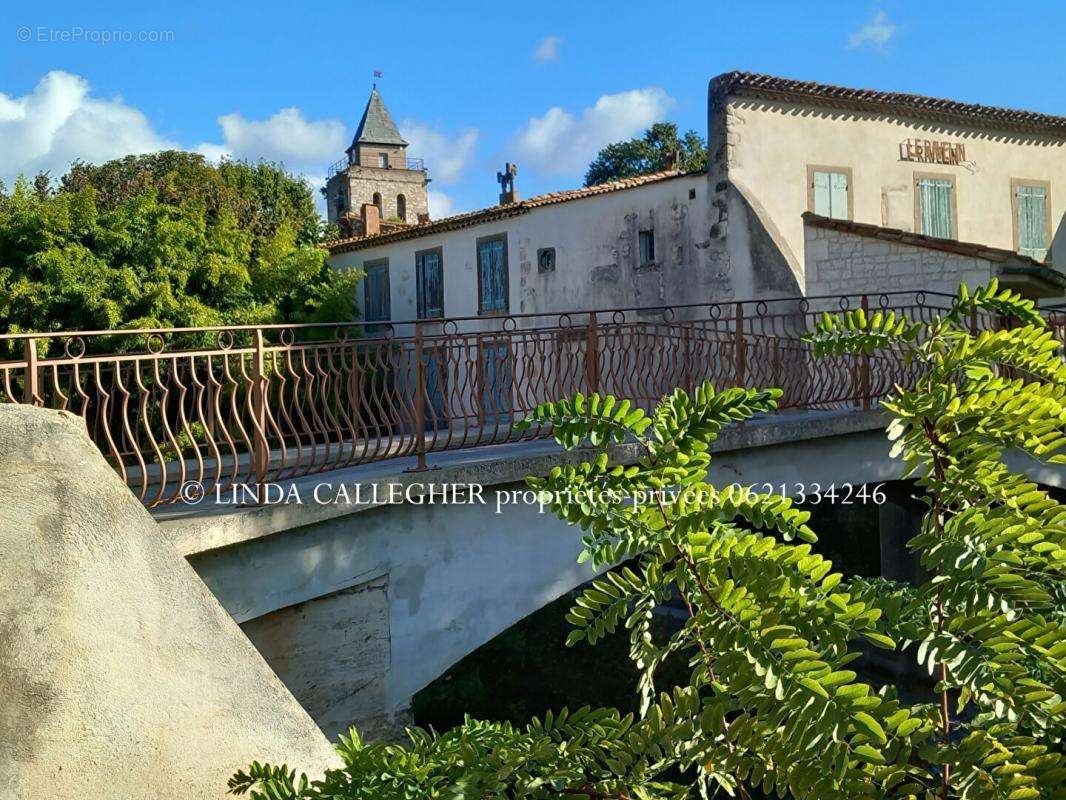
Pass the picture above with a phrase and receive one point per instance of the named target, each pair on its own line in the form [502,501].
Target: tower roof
[376,126]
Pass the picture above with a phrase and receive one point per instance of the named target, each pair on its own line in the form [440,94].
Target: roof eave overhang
[1032,281]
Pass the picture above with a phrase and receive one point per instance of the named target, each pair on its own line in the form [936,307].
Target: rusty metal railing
[232,405]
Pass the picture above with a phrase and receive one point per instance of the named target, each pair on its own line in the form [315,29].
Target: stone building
[376,186]
[923,194]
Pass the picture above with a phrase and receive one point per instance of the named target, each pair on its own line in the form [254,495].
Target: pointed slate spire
[376,126]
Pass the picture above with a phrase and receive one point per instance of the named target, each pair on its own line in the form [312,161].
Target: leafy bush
[165,240]
[772,629]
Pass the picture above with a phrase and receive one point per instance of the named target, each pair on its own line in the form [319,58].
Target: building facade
[965,193]
[631,243]
[944,170]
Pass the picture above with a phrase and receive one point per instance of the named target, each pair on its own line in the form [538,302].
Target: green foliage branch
[772,631]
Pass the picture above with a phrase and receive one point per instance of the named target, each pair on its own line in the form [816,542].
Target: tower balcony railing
[342,165]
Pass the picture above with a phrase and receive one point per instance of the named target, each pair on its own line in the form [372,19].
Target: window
[829,191]
[1032,217]
[383,160]
[546,259]
[401,207]
[647,247]
[376,303]
[934,205]
[429,277]
[492,274]
[377,202]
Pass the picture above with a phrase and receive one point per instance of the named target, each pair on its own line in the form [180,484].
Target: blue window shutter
[493,278]
[935,207]
[430,286]
[1032,221]
[434,293]
[376,293]
[822,203]
[838,195]
[830,194]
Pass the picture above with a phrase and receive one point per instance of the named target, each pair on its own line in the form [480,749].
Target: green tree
[654,151]
[772,630]
[165,240]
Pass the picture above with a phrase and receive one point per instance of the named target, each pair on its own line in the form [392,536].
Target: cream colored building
[920,193]
[993,179]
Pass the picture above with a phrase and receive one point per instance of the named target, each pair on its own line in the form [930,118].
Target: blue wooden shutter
[493,277]
[823,206]
[935,207]
[1032,221]
[430,288]
[830,194]
[838,195]
[376,293]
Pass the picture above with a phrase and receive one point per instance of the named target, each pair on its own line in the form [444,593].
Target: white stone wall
[846,263]
[596,245]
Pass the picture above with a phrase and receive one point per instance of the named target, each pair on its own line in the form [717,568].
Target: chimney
[371,220]
[508,194]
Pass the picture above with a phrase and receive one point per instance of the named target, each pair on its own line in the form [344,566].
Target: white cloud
[560,143]
[59,122]
[440,204]
[446,157]
[548,49]
[876,33]
[286,137]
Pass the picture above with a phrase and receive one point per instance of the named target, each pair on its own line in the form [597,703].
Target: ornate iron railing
[342,165]
[225,406]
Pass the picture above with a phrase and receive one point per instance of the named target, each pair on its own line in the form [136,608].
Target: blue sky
[472,84]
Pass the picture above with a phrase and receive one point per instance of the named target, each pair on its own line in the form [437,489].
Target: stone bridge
[395,537]
[359,602]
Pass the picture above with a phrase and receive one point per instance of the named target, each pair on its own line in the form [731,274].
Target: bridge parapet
[247,405]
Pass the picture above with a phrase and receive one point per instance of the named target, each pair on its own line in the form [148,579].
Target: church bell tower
[376,187]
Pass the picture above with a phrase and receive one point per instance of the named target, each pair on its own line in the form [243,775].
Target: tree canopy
[654,151]
[165,240]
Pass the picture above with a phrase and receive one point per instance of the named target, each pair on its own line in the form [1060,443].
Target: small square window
[546,259]
[383,160]
[647,247]
[829,193]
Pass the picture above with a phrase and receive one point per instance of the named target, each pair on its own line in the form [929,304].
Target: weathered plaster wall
[121,675]
[844,263]
[333,655]
[597,254]
[771,143]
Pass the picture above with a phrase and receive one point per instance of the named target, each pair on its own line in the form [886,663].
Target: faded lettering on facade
[926,151]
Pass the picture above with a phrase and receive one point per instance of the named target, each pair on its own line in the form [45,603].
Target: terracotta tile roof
[768,86]
[997,254]
[494,213]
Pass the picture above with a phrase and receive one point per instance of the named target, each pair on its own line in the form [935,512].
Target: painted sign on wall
[927,151]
